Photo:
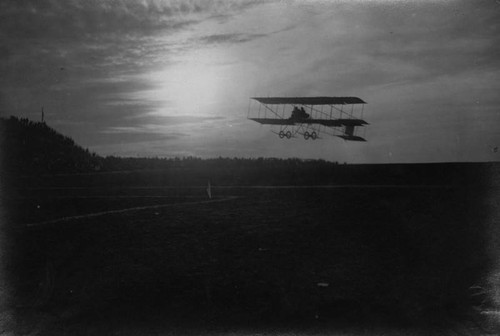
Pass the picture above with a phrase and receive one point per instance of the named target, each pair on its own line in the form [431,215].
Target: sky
[161,78]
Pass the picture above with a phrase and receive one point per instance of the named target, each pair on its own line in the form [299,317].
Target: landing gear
[286,134]
[312,135]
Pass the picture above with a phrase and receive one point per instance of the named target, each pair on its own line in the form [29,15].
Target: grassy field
[158,260]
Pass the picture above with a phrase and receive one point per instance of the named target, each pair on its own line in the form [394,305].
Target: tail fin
[349,130]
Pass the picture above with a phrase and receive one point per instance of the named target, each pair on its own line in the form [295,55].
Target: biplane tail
[349,134]
[351,138]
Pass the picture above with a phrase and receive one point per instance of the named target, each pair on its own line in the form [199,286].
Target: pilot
[296,113]
[303,113]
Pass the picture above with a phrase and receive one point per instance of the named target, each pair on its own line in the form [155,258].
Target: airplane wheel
[314,135]
[281,134]
[288,135]
[306,135]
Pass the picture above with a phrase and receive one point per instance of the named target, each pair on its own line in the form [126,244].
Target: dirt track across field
[148,207]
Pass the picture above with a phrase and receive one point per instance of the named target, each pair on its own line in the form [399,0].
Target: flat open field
[134,259]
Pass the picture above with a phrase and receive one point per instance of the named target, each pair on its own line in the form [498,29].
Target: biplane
[311,116]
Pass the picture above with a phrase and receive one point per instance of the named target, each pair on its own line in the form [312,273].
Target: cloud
[93,49]
[439,37]
[83,18]
[126,138]
[166,120]
[149,128]
[141,129]
[186,119]
[97,38]
[385,43]
[230,38]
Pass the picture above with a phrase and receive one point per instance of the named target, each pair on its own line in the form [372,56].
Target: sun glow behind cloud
[191,85]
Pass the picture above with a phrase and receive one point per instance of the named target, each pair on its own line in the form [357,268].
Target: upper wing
[310,100]
[275,121]
[324,122]
[335,122]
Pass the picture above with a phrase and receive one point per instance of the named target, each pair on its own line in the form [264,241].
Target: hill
[31,148]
